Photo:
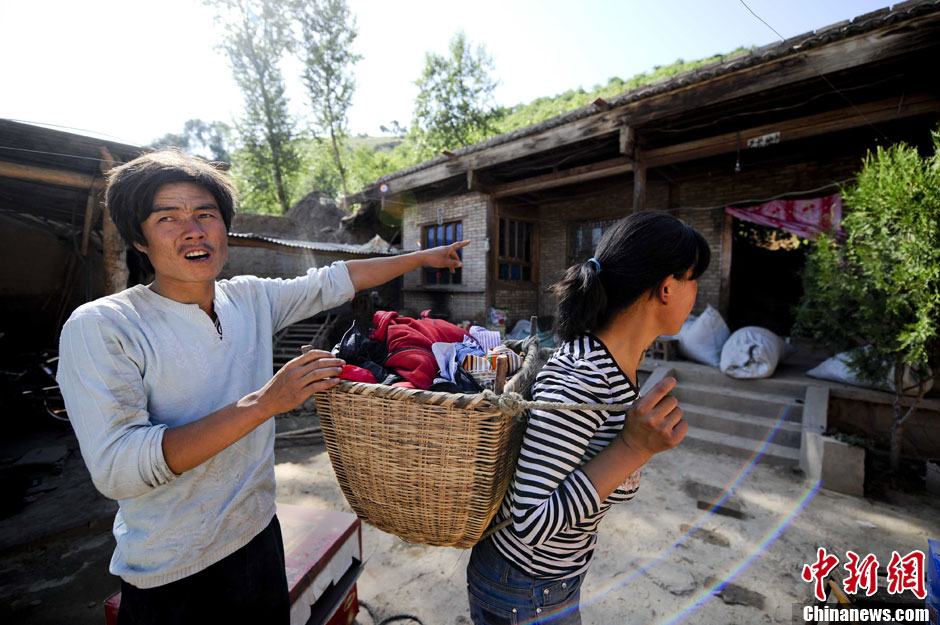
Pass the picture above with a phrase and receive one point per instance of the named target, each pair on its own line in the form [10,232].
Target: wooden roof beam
[584,173]
[602,124]
[801,128]
[45,175]
[917,37]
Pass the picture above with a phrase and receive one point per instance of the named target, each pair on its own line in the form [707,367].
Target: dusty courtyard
[648,569]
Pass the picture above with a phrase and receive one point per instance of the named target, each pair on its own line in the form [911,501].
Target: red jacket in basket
[409,344]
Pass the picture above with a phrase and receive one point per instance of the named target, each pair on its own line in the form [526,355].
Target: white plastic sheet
[837,369]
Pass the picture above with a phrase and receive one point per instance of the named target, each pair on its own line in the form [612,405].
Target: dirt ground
[54,551]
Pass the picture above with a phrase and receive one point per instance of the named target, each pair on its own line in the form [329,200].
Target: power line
[817,72]
[89,158]
[85,130]
[829,185]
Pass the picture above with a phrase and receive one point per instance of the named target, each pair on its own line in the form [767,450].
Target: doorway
[766,277]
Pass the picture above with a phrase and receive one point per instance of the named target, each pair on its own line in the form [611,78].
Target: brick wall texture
[457,302]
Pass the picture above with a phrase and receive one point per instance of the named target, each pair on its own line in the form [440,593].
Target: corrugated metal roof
[376,247]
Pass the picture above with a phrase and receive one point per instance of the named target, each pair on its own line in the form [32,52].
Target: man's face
[186,236]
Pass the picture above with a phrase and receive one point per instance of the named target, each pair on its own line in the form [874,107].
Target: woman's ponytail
[582,300]
[634,256]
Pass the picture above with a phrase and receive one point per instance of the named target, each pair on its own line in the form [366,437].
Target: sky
[134,70]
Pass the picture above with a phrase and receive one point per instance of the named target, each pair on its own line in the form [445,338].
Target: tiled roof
[770,52]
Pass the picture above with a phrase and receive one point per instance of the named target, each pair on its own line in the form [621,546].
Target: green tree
[454,106]
[208,140]
[256,38]
[877,291]
[327,32]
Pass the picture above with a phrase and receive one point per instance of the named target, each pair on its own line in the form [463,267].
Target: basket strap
[495,528]
[514,404]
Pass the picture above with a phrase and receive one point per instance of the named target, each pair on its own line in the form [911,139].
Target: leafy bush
[879,286]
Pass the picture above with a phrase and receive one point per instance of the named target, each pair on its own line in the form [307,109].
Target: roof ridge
[793,45]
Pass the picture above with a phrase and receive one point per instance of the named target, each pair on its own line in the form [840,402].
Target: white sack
[703,339]
[837,369]
[752,352]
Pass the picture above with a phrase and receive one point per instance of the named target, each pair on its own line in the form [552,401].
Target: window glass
[443,234]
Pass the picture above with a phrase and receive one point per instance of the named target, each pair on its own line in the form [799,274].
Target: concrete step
[790,386]
[752,427]
[737,400]
[740,447]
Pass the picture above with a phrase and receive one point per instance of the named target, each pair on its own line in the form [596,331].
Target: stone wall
[282,262]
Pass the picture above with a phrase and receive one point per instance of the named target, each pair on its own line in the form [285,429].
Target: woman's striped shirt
[554,507]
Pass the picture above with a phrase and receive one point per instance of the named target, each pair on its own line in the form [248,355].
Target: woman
[575,463]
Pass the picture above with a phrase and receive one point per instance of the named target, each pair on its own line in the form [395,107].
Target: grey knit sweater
[135,363]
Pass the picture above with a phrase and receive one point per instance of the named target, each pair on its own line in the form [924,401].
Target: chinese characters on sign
[904,573]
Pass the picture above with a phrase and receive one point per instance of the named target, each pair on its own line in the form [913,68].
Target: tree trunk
[897,423]
[897,431]
[339,164]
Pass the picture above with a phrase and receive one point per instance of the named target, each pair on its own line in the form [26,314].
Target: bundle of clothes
[424,353]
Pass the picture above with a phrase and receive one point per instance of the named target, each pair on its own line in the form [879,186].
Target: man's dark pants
[248,586]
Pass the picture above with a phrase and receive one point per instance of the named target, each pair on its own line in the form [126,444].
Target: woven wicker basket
[429,467]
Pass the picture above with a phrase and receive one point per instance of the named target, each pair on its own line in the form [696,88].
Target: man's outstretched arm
[371,272]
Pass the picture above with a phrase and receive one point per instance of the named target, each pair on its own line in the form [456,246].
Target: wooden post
[627,142]
[724,282]
[492,259]
[115,251]
[502,369]
[89,215]
[639,186]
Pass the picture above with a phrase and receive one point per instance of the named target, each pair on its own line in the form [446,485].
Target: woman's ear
[665,289]
[140,248]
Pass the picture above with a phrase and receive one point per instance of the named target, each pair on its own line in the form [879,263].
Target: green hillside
[369,158]
[544,108]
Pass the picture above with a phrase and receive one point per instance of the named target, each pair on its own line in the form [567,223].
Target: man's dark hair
[133,185]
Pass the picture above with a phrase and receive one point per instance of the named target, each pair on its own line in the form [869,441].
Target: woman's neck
[627,337]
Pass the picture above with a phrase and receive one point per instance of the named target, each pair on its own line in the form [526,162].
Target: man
[168,387]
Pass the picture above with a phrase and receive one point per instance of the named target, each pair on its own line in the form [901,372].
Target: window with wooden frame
[584,237]
[443,234]
[516,250]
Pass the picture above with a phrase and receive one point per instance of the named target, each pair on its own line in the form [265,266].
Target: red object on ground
[111,605]
[323,555]
[409,344]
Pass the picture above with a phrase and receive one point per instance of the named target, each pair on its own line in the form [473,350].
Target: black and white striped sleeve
[550,493]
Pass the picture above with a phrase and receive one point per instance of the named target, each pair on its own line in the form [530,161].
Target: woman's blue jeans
[501,594]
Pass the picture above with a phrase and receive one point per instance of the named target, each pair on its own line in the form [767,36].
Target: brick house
[792,119]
